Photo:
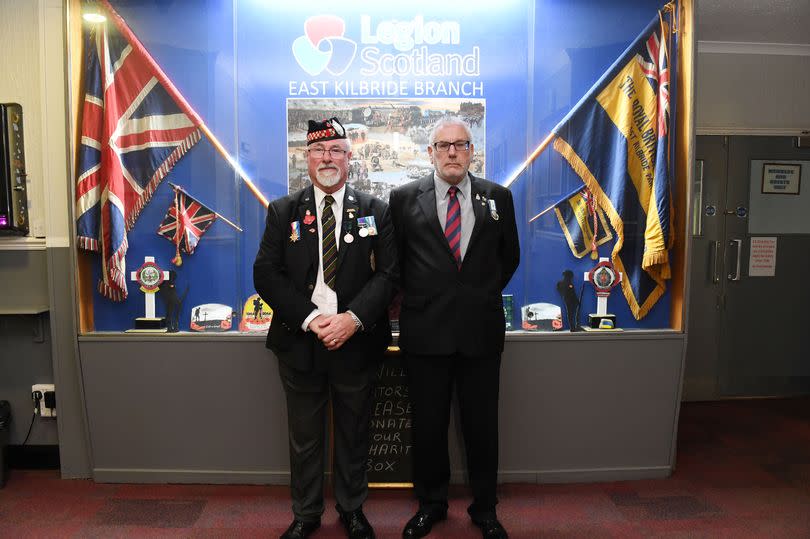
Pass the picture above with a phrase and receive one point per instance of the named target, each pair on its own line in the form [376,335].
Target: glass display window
[194,115]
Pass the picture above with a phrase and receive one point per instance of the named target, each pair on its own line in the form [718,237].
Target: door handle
[716,262]
[736,275]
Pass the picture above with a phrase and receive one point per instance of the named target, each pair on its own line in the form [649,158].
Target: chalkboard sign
[389,455]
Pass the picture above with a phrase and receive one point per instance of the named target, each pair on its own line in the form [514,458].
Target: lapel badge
[295,234]
[493,210]
[350,197]
[311,230]
[477,196]
[309,218]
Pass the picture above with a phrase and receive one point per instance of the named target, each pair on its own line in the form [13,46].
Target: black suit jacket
[285,271]
[445,310]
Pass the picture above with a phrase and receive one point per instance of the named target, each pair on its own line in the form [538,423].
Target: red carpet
[743,471]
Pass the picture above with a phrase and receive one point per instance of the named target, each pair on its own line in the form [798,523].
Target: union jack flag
[135,127]
[655,65]
[185,223]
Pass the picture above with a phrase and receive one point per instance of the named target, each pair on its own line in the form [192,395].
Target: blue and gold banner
[617,140]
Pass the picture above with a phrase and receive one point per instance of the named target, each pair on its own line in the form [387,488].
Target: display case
[194,115]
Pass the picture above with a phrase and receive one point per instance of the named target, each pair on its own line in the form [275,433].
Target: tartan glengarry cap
[324,130]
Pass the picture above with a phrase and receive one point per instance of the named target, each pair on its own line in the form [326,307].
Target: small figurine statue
[257,308]
[174,303]
[569,296]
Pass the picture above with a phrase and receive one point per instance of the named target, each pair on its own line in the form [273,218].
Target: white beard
[328,177]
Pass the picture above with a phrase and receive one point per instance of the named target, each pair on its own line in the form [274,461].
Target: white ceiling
[754,21]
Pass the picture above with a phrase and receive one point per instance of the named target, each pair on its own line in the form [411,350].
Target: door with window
[749,310]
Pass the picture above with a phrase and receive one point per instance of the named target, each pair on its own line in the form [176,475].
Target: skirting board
[226,477]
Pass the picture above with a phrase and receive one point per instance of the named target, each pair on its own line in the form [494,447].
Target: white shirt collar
[337,195]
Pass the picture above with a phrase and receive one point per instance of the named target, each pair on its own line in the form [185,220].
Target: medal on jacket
[348,226]
[493,211]
[296,231]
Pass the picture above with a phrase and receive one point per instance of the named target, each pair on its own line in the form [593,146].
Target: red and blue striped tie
[452,227]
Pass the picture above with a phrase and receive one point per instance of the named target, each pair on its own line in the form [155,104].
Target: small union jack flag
[135,127]
[185,223]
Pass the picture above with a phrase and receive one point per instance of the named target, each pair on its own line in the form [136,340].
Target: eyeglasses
[460,146]
[334,153]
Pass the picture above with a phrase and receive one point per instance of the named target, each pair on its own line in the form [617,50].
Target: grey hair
[450,120]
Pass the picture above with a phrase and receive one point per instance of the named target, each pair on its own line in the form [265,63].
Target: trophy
[603,277]
[149,277]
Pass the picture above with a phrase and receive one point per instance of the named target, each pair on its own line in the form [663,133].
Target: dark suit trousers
[431,380]
[307,396]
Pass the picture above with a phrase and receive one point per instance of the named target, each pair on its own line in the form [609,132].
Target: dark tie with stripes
[452,227]
[328,245]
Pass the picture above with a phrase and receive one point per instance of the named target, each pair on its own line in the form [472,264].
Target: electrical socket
[44,411]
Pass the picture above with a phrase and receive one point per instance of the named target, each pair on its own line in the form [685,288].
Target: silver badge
[348,238]
[493,210]
[363,232]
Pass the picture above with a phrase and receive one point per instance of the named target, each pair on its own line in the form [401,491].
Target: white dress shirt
[323,296]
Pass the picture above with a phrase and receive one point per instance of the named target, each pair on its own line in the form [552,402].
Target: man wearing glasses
[458,247]
[327,267]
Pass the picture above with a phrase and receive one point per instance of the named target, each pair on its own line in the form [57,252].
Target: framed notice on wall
[781,178]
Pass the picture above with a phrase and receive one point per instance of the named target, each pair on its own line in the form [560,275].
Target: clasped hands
[333,329]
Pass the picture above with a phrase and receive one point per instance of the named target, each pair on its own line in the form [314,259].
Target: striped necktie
[328,244]
[452,227]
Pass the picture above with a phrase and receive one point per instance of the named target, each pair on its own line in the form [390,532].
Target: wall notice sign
[781,178]
[762,262]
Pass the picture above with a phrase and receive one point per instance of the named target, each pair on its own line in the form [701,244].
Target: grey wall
[38,270]
[24,274]
[744,91]
[189,409]
[25,359]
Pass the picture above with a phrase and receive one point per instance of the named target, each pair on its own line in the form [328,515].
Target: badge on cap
[296,231]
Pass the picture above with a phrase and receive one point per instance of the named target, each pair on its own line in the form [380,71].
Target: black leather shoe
[422,522]
[356,524]
[300,529]
[491,528]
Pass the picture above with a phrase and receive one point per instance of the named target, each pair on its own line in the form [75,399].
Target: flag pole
[566,197]
[529,160]
[237,168]
[178,188]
